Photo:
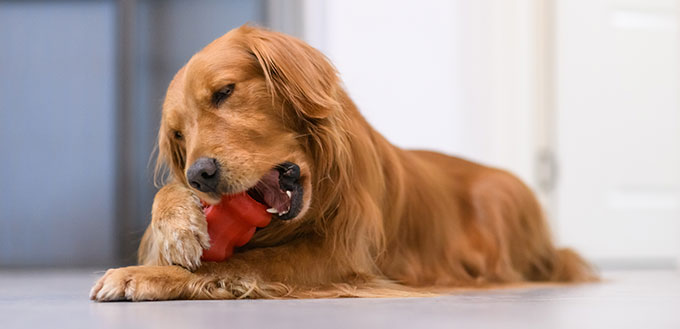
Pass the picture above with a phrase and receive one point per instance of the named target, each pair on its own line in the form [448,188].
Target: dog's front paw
[177,235]
[136,283]
[182,240]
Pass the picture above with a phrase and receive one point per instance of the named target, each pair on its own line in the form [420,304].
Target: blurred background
[577,97]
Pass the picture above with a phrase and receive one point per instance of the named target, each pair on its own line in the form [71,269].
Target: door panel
[57,101]
[618,121]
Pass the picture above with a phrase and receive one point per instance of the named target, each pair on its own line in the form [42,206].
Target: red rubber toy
[232,223]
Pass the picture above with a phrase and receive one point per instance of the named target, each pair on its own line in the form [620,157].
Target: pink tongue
[271,192]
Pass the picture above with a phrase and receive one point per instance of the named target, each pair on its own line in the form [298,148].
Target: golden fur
[377,220]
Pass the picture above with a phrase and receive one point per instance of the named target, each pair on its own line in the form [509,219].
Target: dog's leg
[178,231]
[240,277]
[294,270]
[211,281]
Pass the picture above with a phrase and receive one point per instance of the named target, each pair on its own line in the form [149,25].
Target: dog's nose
[204,175]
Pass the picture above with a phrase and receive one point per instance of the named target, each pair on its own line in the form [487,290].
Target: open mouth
[280,191]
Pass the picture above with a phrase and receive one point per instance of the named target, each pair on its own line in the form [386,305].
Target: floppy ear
[170,160]
[296,72]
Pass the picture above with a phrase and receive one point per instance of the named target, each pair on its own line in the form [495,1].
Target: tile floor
[627,299]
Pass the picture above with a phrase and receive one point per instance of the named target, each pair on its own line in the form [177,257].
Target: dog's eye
[222,94]
[178,135]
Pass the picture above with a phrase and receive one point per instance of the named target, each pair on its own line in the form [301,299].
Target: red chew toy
[232,223]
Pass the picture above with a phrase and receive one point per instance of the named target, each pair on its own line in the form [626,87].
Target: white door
[618,129]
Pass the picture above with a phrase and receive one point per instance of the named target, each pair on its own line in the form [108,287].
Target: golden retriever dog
[364,217]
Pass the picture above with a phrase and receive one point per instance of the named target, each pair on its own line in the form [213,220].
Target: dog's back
[464,223]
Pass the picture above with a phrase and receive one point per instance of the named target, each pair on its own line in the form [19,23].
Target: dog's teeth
[289,194]
[272,210]
[283,213]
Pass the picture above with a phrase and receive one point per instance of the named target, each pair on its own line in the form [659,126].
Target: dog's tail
[568,266]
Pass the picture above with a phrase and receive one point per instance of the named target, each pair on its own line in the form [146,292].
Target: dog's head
[237,117]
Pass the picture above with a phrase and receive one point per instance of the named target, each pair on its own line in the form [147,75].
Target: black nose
[204,175]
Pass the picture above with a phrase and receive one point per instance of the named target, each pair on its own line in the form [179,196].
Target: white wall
[453,76]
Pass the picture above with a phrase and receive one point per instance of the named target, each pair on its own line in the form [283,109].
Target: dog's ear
[170,160]
[296,72]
